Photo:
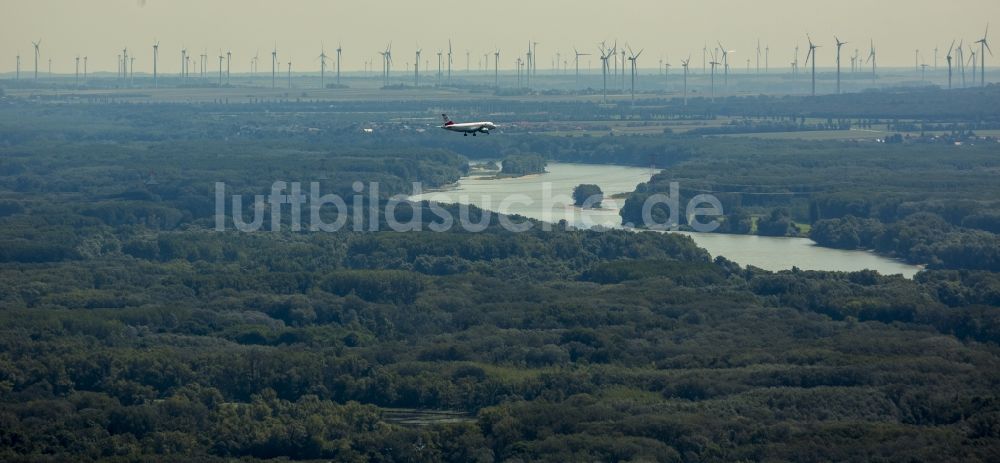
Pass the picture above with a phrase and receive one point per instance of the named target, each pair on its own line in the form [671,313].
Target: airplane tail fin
[447,120]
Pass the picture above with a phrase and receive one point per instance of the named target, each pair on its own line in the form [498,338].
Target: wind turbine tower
[416,69]
[623,69]
[685,63]
[274,67]
[725,65]
[758,56]
[713,63]
[948,57]
[984,46]
[496,68]
[440,54]
[960,56]
[37,51]
[871,59]
[633,60]
[322,66]
[839,44]
[156,57]
[812,54]
[606,54]
[972,59]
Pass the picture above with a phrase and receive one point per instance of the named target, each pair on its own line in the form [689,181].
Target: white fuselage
[470,127]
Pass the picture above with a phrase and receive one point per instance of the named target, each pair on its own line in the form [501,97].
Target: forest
[927,204]
[132,330]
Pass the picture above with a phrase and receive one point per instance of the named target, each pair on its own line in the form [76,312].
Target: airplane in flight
[467,127]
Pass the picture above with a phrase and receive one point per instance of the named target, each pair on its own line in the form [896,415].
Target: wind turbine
[37,51]
[578,55]
[439,55]
[527,70]
[704,59]
[623,68]
[221,59]
[713,63]
[534,59]
[339,49]
[871,59]
[606,54]
[76,78]
[517,62]
[795,64]
[961,59]
[725,64]
[322,65]
[496,68]
[767,58]
[812,53]
[948,57]
[156,57]
[85,69]
[17,76]
[984,46]
[387,62]
[289,74]
[416,68]
[758,56]
[972,59]
[685,63]
[633,61]
[255,64]
[274,67]
[449,61]
[229,62]
[125,65]
[183,60]
[839,44]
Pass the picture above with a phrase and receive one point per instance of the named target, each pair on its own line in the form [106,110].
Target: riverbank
[769,253]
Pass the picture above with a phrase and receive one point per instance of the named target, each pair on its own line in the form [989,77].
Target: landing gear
[473,134]
[465,135]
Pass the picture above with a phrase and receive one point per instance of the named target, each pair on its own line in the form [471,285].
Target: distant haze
[674,29]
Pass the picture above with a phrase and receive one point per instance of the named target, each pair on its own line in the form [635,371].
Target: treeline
[523,164]
[910,201]
[143,334]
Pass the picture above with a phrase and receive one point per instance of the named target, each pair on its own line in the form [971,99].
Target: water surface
[547,197]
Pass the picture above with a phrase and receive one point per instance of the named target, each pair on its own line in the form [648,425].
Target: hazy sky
[674,28]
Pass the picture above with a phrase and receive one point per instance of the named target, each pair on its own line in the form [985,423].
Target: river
[547,197]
